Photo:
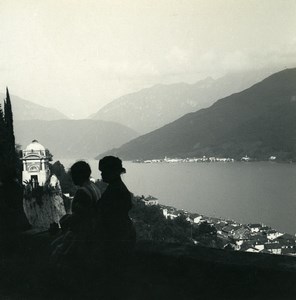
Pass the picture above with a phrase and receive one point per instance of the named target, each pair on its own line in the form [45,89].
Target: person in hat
[115,204]
[117,231]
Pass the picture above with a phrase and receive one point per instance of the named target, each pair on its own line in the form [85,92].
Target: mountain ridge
[73,138]
[259,121]
[26,110]
[152,108]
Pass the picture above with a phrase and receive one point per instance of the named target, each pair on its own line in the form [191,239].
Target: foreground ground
[157,271]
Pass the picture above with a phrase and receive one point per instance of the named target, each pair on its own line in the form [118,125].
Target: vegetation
[9,160]
[67,185]
[151,224]
[12,217]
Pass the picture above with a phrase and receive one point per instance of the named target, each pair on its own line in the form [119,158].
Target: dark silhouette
[12,216]
[117,231]
[84,203]
[79,229]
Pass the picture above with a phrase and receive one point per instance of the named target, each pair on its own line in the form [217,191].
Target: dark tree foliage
[64,177]
[2,136]
[205,229]
[12,217]
[9,161]
[151,224]
[206,235]
[49,155]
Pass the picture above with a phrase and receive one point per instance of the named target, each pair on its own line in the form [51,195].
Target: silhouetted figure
[80,227]
[117,231]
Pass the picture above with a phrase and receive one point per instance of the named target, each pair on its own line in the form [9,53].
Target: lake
[254,192]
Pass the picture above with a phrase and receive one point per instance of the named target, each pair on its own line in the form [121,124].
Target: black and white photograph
[147,149]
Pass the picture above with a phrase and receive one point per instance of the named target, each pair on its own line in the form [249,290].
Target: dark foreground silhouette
[157,271]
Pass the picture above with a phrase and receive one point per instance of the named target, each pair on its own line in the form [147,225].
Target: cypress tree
[2,136]
[9,126]
[12,214]
[8,157]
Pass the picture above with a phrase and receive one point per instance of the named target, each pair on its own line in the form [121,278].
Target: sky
[78,55]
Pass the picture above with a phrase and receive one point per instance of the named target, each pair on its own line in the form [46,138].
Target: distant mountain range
[73,138]
[154,107]
[259,122]
[26,110]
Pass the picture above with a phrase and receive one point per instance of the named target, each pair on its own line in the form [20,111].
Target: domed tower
[35,164]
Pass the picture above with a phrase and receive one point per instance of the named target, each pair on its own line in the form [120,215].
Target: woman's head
[111,168]
[80,172]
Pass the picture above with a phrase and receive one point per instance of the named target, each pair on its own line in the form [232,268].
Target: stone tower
[35,164]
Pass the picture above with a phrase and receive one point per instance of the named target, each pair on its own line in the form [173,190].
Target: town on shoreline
[245,158]
[256,238]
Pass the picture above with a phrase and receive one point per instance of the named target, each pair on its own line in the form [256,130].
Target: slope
[260,121]
[154,107]
[73,138]
[26,110]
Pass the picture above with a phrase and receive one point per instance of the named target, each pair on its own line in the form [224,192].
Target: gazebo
[35,164]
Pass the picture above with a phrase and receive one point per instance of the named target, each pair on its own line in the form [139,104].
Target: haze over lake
[245,192]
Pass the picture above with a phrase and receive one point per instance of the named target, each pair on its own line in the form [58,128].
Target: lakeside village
[245,158]
[257,238]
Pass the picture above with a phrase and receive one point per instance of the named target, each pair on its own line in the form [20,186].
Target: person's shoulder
[116,190]
[82,192]
[120,187]
[95,186]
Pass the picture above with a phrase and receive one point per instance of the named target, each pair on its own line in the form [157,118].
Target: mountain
[154,107]
[259,121]
[73,138]
[26,110]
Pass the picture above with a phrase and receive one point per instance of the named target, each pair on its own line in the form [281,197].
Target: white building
[197,219]
[169,214]
[35,164]
[150,200]
[255,227]
[273,234]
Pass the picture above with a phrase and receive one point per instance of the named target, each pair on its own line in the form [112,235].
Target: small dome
[35,146]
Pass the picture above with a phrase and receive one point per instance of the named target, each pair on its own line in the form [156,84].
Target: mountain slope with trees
[259,122]
[154,107]
[73,138]
[26,110]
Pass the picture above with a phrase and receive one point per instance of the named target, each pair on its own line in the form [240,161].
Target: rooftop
[35,146]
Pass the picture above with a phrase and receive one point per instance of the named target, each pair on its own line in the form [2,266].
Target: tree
[11,193]
[2,133]
[151,224]
[9,129]
[206,234]
[8,156]
[49,155]
[64,177]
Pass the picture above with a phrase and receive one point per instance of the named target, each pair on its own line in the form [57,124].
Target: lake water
[245,192]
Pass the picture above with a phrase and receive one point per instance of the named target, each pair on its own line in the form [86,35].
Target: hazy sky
[78,55]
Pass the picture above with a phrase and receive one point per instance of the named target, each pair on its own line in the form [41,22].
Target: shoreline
[251,237]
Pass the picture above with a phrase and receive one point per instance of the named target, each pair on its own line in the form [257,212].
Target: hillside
[259,122]
[73,138]
[26,110]
[154,107]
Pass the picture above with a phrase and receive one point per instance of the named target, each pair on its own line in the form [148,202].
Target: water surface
[246,192]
